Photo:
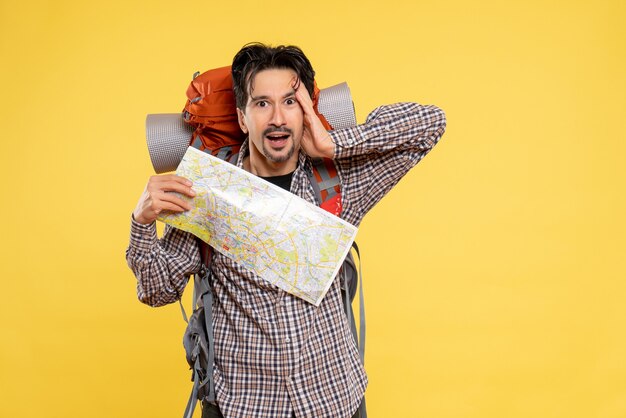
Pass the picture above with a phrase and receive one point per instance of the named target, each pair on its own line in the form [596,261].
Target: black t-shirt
[283,181]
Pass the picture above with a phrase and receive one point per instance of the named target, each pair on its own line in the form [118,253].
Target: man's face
[273,120]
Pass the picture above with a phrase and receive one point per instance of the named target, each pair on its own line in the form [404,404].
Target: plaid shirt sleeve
[162,266]
[374,156]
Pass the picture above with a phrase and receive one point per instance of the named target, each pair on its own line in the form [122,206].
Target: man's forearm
[402,125]
[161,266]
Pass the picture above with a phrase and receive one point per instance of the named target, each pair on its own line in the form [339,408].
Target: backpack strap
[203,297]
[326,177]
[207,384]
[361,308]
[200,286]
[325,182]
[207,300]
[327,186]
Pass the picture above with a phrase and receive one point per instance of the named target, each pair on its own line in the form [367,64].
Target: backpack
[210,110]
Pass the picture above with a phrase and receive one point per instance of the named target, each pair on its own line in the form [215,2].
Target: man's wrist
[328,146]
[139,221]
[142,236]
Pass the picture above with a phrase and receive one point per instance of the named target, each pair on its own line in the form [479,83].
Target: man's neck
[260,166]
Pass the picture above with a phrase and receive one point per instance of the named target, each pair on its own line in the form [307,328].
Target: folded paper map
[284,239]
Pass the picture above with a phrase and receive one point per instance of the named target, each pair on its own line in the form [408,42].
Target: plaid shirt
[277,355]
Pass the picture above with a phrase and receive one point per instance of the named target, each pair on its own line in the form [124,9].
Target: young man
[275,354]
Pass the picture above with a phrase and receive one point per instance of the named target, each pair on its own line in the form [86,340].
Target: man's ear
[242,123]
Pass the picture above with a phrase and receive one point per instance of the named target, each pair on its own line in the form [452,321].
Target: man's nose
[278,117]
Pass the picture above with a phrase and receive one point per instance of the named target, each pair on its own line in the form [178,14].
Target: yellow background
[494,272]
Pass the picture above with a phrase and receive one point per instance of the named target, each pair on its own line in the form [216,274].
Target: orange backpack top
[211,110]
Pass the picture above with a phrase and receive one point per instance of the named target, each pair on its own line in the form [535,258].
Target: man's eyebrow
[255,98]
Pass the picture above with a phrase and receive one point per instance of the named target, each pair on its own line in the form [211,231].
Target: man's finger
[169,207]
[171,198]
[166,178]
[172,186]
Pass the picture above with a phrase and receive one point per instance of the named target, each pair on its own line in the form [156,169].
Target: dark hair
[256,57]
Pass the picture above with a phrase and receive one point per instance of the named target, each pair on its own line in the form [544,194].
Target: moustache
[272,130]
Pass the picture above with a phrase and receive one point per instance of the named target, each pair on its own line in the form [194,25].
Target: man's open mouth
[277,138]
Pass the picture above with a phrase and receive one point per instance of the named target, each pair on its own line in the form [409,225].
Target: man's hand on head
[156,197]
[316,141]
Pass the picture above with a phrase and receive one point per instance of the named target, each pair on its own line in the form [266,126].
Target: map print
[282,238]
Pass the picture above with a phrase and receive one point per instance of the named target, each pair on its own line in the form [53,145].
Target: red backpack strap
[325,181]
